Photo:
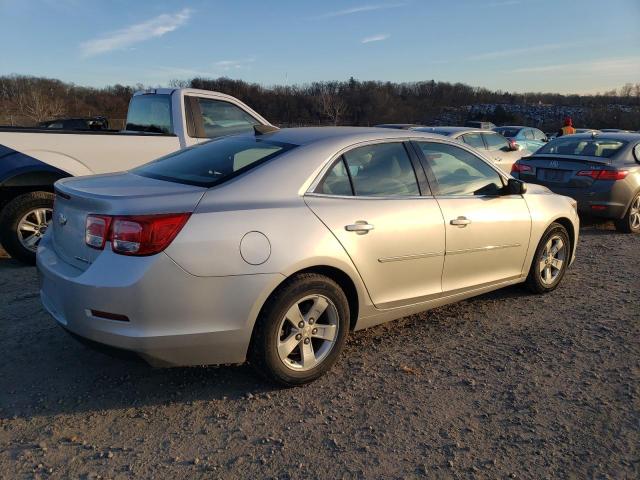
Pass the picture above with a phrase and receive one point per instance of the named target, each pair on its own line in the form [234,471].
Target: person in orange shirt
[567,129]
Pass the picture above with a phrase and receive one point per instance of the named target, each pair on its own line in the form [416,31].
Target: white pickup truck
[159,122]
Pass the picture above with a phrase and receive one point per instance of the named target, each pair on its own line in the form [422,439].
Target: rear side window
[215,162]
[473,139]
[496,142]
[150,113]
[458,172]
[216,118]
[373,171]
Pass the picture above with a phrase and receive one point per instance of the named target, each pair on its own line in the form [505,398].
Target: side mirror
[545,139]
[516,187]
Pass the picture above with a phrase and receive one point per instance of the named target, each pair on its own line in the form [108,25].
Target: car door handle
[460,222]
[361,227]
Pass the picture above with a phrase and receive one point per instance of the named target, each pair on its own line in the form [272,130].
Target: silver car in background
[493,145]
[272,247]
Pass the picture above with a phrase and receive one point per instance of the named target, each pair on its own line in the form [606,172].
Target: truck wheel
[23,221]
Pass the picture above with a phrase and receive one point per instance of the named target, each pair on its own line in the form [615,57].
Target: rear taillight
[603,174]
[134,235]
[96,230]
[520,167]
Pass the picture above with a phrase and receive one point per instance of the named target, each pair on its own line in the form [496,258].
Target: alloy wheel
[308,332]
[32,226]
[634,214]
[552,259]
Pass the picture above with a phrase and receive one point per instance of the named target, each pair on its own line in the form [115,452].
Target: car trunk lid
[111,194]
[555,170]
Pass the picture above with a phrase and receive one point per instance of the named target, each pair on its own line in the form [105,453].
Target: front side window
[373,171]
[223,118]
[459,172]
[473,139]
[496,142]
[507,131]
[528,134]
[214,162]
[150,113]
[539,135]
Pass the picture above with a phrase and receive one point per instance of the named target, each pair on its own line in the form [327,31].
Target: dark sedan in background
[600,171]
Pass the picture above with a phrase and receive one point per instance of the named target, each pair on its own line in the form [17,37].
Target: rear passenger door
[487,232]
[376,201]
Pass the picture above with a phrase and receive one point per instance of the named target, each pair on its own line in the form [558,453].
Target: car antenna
[262,129]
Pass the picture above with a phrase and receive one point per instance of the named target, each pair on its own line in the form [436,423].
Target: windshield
[150,113]
[214,162]
[592,147]
[507,132]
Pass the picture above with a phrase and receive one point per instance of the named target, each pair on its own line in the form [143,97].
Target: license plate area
[551,175]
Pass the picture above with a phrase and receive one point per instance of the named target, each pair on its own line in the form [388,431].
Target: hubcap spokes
[308,332]
[32,227]
[552,259]
[634,214]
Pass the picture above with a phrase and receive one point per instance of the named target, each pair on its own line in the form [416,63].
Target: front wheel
[550,260]
[301,330]
[630,223]
[23,222]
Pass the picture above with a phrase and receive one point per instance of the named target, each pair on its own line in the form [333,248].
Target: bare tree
[330,103]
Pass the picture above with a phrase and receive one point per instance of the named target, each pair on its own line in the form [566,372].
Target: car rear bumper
[164,314]
[595,201]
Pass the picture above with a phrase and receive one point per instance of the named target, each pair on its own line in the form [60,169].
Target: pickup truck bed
[159,122]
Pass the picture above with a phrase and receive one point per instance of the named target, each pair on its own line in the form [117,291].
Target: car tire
[550,261]
[630,223]
[279,329]
[32,207]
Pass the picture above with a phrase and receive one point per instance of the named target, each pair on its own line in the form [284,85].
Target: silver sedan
[272,247]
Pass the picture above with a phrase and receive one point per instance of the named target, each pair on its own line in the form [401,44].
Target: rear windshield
[150,113]
[507,132]
[213,162]
[592,147]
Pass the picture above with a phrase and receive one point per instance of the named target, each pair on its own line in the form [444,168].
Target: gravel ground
[506,385]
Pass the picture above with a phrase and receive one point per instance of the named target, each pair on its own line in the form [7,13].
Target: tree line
[27,100]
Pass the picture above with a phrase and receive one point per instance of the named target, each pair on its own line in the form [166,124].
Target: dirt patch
[506,385]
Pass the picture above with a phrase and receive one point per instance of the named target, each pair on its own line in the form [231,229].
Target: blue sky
[581,46]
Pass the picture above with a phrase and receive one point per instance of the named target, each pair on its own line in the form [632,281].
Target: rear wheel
[23,222]
[301,330]
[630,223]
[550,260]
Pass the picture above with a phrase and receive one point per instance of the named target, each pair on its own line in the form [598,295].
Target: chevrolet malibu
[271,247]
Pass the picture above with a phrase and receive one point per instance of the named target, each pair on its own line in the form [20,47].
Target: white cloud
[603,67]
[361,9]
[139,32]
[522,51]
[226,65]
[375,38]
[505,3]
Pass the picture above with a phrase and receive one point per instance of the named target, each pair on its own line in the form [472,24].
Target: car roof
[309,135]
[450,130]
[397,125]
[620,136]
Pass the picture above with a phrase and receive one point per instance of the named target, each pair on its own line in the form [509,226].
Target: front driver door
[371,200]
[487,232]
